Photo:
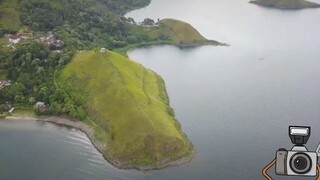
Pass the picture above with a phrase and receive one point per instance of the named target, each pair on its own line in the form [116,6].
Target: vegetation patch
[9,16]
[182,32]
[184,35]
[3,75]
[130,106]
[286,4]
[24,113]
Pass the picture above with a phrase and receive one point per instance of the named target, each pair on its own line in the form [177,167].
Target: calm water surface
[235,103]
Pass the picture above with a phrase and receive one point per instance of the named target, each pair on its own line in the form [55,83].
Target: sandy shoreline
[89,131]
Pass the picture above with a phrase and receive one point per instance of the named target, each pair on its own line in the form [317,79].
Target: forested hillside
[56,30]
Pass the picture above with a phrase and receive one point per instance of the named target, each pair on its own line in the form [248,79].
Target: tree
[148,22]
[2,108]
[131,20]
[32,101]
[19,99]
[14,90]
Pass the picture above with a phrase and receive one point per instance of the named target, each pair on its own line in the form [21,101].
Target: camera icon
[298,161]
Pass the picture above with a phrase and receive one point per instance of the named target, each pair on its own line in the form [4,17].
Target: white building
[39,105]
[102,50]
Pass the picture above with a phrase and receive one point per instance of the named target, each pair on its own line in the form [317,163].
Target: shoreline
[99,146]
[124,51]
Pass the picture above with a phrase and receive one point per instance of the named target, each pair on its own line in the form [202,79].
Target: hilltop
[286,4]
[129,109]
[185,35]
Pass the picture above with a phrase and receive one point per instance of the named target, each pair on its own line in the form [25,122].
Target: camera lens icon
[300,163]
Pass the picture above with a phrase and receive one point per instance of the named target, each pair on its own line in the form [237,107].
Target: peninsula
[183,34]
[67,59]
[286,4]
[129,108]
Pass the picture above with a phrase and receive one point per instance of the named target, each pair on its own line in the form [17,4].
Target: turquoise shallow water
[234,103]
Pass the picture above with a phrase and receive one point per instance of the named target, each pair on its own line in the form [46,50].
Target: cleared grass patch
[3,75]
[10,15]
[24,113]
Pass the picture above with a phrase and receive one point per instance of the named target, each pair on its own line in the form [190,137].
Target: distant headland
[286,4]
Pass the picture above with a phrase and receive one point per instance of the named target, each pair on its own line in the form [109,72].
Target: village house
[102,50]
[51,40]
[25,35]
[14,39]
[41,106]
[4,83]
[8,106]
[54,42]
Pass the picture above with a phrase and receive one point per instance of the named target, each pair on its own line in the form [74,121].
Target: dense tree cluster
[123,6]
[84,23]
[32,68]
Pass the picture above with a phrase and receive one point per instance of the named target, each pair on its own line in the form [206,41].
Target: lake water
[234,103]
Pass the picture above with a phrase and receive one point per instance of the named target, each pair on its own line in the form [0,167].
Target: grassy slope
[130,105]
[179,34]
[183,33]
[9,15]
[287,4]
[3,74]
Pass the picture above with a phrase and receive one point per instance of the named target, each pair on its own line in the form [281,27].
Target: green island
[67,59]
[286,4]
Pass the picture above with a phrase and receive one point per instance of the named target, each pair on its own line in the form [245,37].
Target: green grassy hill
[286,4]
[183,33]
[129,108]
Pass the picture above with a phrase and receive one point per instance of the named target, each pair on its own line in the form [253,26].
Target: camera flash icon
[318,150]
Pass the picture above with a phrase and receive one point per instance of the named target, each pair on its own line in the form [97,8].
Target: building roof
[14,37]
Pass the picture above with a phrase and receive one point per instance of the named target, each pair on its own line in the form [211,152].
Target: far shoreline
[99,146]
